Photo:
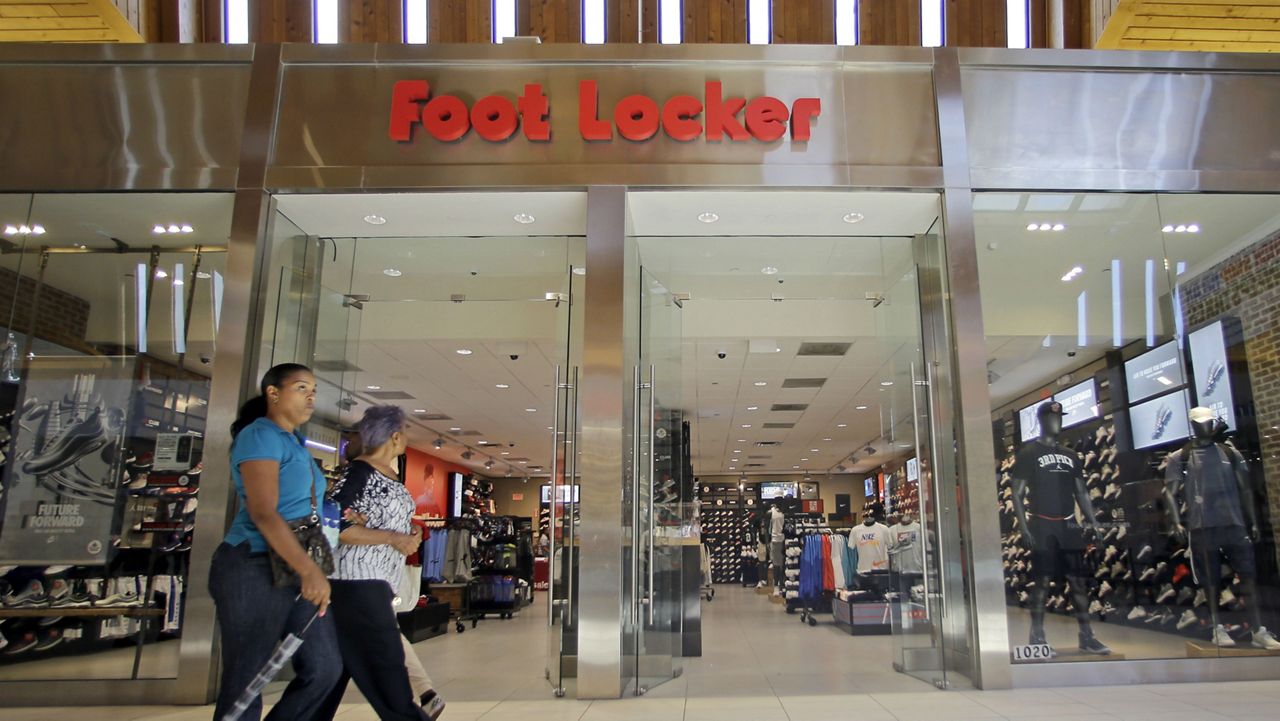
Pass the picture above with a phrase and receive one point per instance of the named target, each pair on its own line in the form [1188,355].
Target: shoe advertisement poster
[61,482]
[1209,363]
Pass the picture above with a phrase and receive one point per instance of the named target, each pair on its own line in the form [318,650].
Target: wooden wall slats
[71,21]
[976,23]
[888,22]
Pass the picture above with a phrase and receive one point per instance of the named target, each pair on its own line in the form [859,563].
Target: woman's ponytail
[252,410]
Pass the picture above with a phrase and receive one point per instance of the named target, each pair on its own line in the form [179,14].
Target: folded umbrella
[284,651]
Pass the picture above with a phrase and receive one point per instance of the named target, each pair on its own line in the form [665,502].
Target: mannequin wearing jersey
[1221,518]
[1052,473]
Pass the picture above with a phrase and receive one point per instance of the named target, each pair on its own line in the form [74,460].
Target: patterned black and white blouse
[387,506]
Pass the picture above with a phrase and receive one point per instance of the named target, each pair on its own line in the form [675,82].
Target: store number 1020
[1034,652]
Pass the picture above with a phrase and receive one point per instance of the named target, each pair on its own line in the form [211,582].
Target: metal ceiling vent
[339,365]
[789,407]
[389,395]
[778,426]
[824,349]
[803,382]
[759,458]
[432,417]
[767,444]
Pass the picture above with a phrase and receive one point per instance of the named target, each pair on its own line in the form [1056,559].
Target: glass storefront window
[109,308]
[1131,345]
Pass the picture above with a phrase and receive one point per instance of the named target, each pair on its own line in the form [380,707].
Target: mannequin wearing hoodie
[1221,519]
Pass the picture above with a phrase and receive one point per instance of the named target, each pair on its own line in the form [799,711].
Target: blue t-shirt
[263,440]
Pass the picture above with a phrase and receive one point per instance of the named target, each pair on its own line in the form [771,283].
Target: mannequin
[1053,474]
[777,544]
[873,542]
[1221,518]
[906,551]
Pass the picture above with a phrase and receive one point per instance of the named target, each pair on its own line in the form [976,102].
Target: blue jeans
[253,615]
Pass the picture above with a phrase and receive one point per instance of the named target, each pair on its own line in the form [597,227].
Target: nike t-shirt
[872,544]
[1050,471]
[906,548]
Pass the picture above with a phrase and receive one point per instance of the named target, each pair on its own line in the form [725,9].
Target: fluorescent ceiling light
[670,22]
[593,22]
[846,22]
[237,28]
[708,217]
[375,219]
[1017,29]
[504,20]
[326,22]
[523,218]
[853,217]
[931,23]
[415,22]
[463,351]
[759,21]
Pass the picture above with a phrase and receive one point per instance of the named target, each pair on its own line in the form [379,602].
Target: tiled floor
[759,664]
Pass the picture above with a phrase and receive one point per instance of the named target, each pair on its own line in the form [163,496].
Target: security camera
[514,356]
[205,359]
[1071,354]
[721,354]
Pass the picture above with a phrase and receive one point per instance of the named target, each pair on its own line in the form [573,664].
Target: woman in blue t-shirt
[275,480]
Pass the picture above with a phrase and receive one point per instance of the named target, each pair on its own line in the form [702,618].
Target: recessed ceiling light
[853,217]
[174,229]
[1045,226]
[203,275]
[753,408]
[523,218]
[392,272]
[742,440]
[463,351]
[187,228]
[761,383]
[802,460]
[795,467]
[814,450]
[886,383]
[737,450]
[1033,226]
[503,386]
[522,462]
[708,217]
[842,425]
[733,468]
[506,453]
[419,410]
[860,408]
[746,425]
[39,230]
[531,410]
[455,429]
[579,270]
[1193,228]
[1059,227]
[160,273]
[374,388]
[1071,274]
[13,230]
[159,230]
[375,220]
[1167,229]
[826,440]
[769,270]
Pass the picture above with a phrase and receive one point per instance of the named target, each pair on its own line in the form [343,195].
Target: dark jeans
[372,652]
[253,615]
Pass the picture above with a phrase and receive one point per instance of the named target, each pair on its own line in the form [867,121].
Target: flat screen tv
[772,490]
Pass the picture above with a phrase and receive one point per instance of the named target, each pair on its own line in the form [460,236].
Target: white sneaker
[1264,639]
[1221,638]
[1095,607]
[1138,612]
[1226,598]
[1189,618]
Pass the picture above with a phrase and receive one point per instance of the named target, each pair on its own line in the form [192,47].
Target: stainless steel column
[234,367]
[980,522]
[605,398]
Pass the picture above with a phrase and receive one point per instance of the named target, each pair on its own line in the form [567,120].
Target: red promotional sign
[637,118]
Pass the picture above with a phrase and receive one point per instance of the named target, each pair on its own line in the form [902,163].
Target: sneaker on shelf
[1147,575]
[31,595]
[1090,644]
[1111,553]
[1144,554]
[1138,613]
[48,638]
[1167,594]
[1221,637]
[1264,639]
[1104,589]
[1187,620]
[1101,572]
[59,591]
[1186,594]
[1095,607]
[46,621]
[1108,609]
[1124,531]
[20,643]
[1118,569]
[1201,599]
[432,705]
[1226,598]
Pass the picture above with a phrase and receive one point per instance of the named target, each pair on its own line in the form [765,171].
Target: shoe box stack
[477,497]
[1139,572]
[725,528]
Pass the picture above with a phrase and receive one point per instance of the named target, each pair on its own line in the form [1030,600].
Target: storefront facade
[1007,141]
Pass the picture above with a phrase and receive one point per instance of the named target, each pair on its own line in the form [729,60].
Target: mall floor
[760,664]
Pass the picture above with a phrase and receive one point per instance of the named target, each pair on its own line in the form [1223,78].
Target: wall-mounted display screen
[869,488]
[1154,372]
[1079,403]
[1160,421]
[1028,422]
[913,469]
[561,491]
[1209,369]
[770,490]
[455,494]
[809,490]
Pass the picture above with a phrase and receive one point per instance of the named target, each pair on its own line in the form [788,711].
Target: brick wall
[62,318]
[1247,286]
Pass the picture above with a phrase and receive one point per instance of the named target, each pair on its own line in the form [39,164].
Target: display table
[424,622]
[541,574]
[862,618]
[1204,649]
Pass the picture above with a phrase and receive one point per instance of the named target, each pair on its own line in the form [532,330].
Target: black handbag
[309,530]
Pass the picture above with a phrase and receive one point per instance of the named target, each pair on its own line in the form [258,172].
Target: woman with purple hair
[377,533]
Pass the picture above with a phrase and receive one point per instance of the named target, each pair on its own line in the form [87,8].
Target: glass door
[928,619]
[563,505]
[657,536]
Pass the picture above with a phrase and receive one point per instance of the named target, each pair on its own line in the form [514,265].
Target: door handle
[551,529]
[573,491]
[653,465]
[635,495]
